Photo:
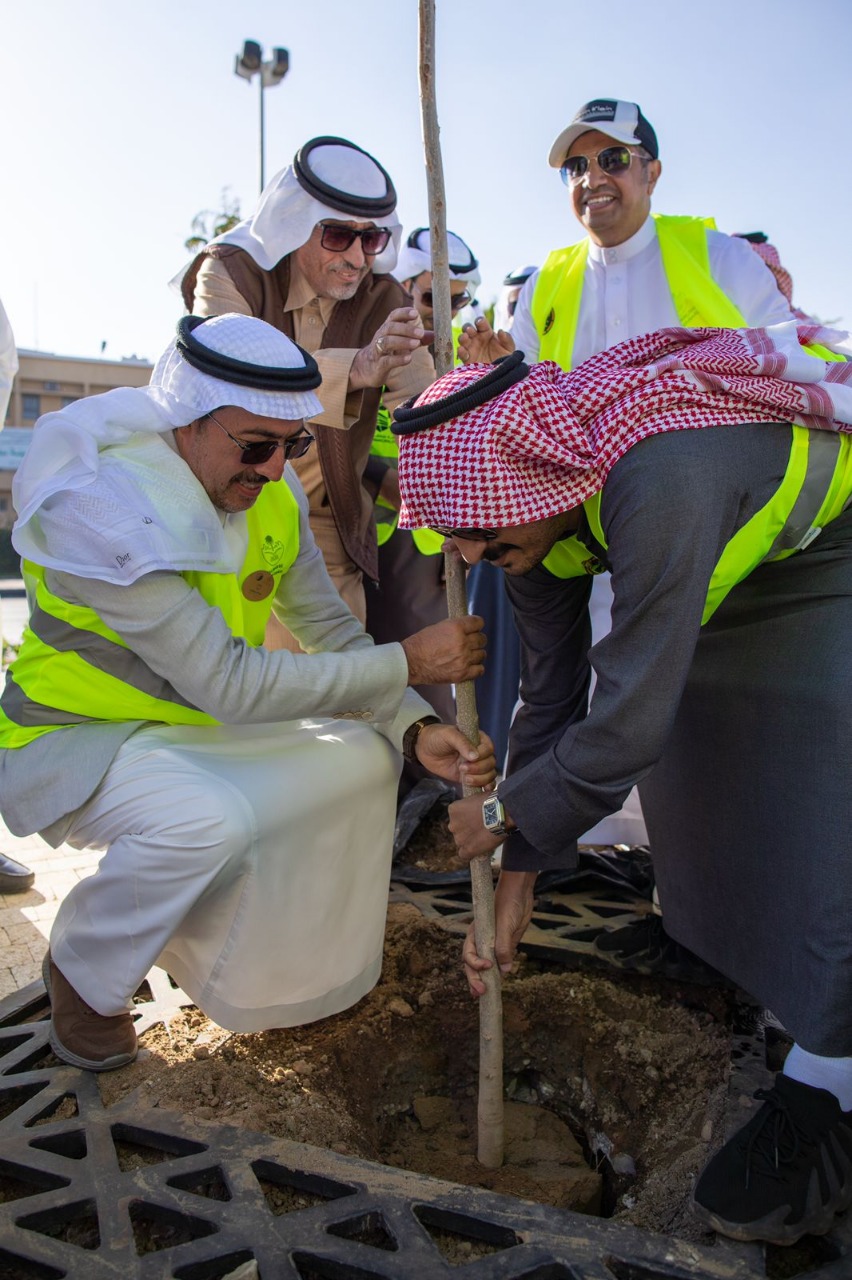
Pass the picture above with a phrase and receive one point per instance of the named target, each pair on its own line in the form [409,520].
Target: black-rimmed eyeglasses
[338,239]
[256,452]
[469,534]
[610,160]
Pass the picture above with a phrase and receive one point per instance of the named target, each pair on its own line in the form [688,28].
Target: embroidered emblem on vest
[548,324]
[593,565]
[258,585]
[272,553]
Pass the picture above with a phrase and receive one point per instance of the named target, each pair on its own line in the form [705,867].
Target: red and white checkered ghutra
[548,442]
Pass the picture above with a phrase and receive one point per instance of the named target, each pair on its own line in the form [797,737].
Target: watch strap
[412,733]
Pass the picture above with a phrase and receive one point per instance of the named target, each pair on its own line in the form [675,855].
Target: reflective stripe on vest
[817,485]
[72,668]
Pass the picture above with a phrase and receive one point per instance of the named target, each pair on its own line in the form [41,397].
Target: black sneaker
[645,947]
[786,1173]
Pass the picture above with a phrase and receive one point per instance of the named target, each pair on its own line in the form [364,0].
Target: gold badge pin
[258,585]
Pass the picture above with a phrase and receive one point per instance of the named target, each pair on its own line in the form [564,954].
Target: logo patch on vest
[273,553]
[548,324]
[593,565]
[258,585]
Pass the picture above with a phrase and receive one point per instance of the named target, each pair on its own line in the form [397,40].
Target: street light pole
[262,134]
[250,63]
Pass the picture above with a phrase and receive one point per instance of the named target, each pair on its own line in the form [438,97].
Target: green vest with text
[817,485]
[72,668]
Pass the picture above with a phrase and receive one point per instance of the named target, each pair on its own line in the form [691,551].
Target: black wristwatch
[494,815]
[412,733]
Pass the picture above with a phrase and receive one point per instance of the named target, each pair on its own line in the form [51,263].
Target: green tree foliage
[210,223]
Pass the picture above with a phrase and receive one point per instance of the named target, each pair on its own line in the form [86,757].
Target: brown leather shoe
[79,1035]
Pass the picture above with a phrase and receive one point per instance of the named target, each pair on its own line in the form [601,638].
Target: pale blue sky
[122,120]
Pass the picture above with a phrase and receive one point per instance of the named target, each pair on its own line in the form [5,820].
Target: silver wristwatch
[494,815]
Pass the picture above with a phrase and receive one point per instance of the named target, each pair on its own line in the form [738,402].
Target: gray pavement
[26,918]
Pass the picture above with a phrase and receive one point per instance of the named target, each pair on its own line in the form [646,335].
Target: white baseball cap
[622,121]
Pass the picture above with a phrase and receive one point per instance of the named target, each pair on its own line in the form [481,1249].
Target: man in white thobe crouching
[245,799]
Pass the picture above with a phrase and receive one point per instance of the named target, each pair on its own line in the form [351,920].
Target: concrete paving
[26,918]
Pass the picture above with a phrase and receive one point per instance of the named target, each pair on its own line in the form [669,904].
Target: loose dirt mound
[616,1084]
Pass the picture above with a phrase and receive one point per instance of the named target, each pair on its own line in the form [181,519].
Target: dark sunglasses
[610,160]
[457,301]
[256,452]
[338,239]
[472,535]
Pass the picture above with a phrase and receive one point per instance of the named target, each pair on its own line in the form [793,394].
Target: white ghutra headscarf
[104,463]
[415,257]
[329,178]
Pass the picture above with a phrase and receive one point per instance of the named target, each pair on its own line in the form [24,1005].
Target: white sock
[833,1074]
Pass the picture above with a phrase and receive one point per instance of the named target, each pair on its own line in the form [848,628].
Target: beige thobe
[216,294]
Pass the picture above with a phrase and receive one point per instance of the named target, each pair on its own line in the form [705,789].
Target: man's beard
[342,290]
[495,550]
[231,505]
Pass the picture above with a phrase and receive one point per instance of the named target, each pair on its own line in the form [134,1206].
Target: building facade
[44,383]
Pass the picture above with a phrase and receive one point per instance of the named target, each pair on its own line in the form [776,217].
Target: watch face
[492,815]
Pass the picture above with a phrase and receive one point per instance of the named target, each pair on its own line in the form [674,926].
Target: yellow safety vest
[817,485]
[805,501]
[698,300]
[386,445]
[72,668]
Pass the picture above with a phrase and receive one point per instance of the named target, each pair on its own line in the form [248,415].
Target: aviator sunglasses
[338,239]
[610,160]
[256,452]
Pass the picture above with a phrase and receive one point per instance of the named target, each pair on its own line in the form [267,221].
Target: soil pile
[616,1085]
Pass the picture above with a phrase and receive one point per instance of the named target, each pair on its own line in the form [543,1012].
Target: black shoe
[645,947]
[786,1173]
[14,876]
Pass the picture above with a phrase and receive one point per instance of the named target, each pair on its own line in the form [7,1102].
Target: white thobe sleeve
[747,281]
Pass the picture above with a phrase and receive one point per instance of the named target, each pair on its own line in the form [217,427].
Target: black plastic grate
[123,1193]
[564,925]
